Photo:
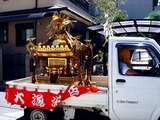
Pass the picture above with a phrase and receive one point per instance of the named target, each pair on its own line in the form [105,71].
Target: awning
[22,17]
[73,13]
[39,13]
[58,7]
[135,26]
[36,15]
[96,28]
[29,14]
[131,26]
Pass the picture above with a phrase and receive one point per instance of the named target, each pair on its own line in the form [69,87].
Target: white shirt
[123,67]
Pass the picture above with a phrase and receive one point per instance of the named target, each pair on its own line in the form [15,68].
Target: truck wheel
[38,115]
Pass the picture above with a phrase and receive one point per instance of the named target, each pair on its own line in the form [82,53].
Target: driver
[124,63]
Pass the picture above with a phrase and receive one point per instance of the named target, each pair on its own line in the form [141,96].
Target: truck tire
[31,113]
[37,114]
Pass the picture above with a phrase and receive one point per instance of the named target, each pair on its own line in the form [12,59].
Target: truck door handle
[120,81]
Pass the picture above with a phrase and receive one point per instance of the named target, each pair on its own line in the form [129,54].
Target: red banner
[44,100]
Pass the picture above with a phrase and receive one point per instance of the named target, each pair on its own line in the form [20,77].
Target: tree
[108,11]
[154,15]
[121,15]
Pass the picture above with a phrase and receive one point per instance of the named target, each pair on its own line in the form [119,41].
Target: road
[7,112]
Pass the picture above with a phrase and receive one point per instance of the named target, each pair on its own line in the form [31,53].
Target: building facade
[139,9]
[22,19]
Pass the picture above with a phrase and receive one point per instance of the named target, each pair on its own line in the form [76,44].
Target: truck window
[143,59]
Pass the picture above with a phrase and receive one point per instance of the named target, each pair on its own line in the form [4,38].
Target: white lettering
[73,91]
[38,100]
[19,97]
[56,100]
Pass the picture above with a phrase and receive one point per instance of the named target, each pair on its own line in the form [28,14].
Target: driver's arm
[132,72]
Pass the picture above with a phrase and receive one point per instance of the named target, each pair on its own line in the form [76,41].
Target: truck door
[136,97]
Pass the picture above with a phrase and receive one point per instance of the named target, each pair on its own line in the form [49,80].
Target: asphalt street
[9,112]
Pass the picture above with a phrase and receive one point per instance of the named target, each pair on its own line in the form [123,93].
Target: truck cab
[134,97]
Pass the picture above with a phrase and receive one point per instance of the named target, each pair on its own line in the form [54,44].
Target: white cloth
[123,67]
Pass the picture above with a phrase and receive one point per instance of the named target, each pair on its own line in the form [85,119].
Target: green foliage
[154,15]
[121,15]
[107,11]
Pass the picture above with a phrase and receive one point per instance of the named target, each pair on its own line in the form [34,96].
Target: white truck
[119,97]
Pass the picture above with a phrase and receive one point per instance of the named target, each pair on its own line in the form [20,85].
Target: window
[23,32]
[3,33]
[143,59]
[140,56]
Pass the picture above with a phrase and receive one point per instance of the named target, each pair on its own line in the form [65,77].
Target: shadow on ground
[21,118]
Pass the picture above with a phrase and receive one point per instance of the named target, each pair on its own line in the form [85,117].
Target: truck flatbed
[88,99]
